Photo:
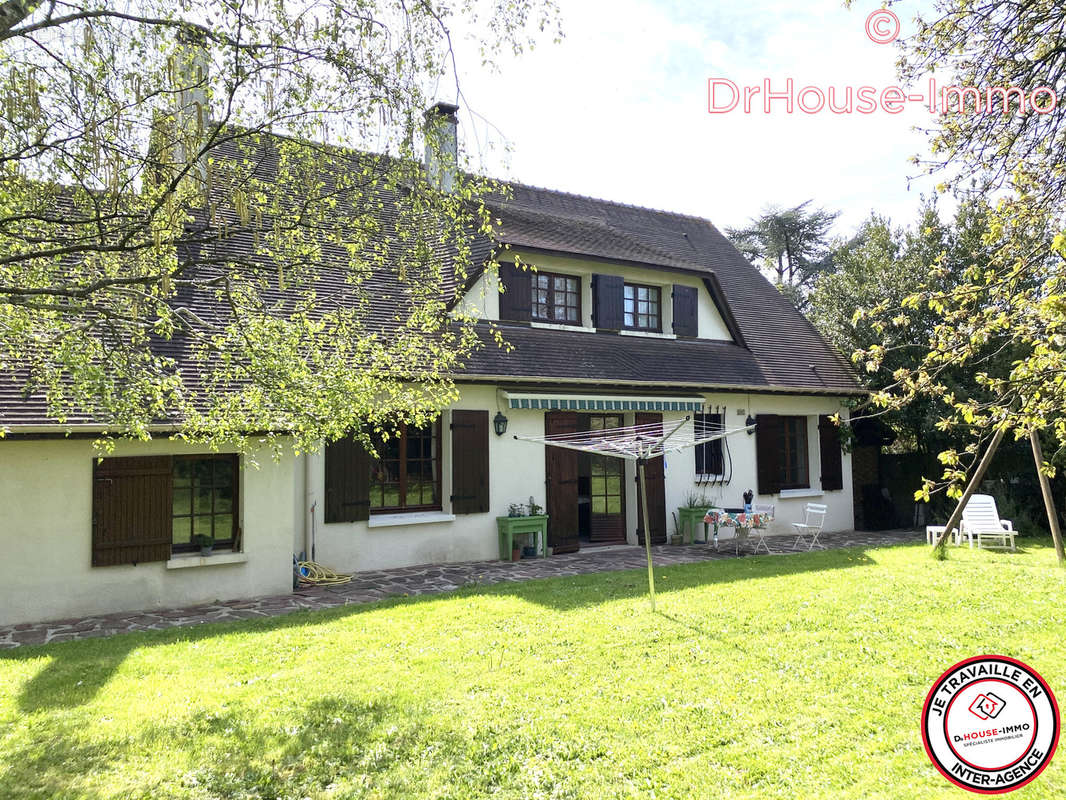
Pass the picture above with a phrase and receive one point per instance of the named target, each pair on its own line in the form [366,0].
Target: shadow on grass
[79,669]
[237,752]
[580,591]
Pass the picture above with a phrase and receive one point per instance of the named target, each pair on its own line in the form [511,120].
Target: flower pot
[516,554]
[676,539]
[205,550]
[529,552]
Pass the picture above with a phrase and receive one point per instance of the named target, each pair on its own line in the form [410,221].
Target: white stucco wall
[483,300]
[681,467]
[46,537]
[46,503]
[517,471]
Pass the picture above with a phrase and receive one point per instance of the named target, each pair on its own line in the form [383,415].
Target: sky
[619,110]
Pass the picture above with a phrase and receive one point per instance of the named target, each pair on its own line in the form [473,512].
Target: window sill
[648,334]
[786,493]
[419,518]
[188,560]
[555,326]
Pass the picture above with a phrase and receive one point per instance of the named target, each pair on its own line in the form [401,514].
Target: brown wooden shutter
[829,443]
[608,302]
[347,481]
[470,462]
[516,302]
[560,471]
[655,479]
[132,509]
[768,449]
[686,314]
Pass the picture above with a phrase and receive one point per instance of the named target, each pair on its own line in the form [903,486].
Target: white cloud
[618,110]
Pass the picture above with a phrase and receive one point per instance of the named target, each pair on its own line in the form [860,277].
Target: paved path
[368,587]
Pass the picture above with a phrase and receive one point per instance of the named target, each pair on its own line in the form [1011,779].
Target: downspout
[307,506]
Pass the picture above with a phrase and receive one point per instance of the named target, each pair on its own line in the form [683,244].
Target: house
[632,316]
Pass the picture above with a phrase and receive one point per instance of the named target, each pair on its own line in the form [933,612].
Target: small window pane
[203,469]
[203,501]
[223,472]
[182,530]
[182,472]
[202,526]
[182,501]
[223,526]
[224,499]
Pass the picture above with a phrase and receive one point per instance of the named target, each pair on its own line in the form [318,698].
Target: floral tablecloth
[736,519]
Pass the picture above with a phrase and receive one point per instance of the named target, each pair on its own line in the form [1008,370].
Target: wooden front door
[560,467]
[656,487]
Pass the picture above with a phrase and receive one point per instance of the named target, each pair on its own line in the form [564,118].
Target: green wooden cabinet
[510,527]
[689,521]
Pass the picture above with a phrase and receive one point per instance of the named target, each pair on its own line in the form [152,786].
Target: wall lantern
[749,422]
[499,422]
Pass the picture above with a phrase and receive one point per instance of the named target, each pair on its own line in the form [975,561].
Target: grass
[793,676]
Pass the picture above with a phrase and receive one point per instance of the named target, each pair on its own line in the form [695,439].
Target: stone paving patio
[368,587]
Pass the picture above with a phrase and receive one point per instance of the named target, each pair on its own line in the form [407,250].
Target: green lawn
[790,676]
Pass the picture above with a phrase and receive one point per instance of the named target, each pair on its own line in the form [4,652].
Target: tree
[790,243]
[196,177]
[1004,321]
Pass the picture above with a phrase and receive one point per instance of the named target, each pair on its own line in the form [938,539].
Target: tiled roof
[783,351]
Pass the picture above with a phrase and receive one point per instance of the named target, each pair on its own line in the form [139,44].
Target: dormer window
[556,298]
[643,307]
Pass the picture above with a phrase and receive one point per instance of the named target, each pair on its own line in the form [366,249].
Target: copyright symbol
[882,26]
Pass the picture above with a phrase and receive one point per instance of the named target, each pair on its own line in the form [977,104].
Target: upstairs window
[556,298]
[642,307]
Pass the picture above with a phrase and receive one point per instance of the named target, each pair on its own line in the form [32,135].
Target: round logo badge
[990,724]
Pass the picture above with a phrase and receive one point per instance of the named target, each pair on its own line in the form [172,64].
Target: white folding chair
[981,522]
[813,520]
[761,534]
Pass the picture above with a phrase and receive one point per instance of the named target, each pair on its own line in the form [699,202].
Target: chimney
[191,68]
[442,146]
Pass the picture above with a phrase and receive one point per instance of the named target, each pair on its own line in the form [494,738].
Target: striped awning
[595,402]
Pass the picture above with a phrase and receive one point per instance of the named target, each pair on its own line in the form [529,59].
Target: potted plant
[206,543]
[516,510]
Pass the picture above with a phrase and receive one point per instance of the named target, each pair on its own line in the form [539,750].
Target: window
[642,307]
[147,508]
[204,500]
[709,459]
[556,298]
[406,475]
[794,471]
[607,474]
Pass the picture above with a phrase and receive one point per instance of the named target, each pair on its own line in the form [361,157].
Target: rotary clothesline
[636,442]
[639,443]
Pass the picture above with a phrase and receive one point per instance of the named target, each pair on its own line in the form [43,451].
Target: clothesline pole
[643,501]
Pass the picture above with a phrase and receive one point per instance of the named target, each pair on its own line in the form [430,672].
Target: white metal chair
[813,520]
[760,534]
[981,522]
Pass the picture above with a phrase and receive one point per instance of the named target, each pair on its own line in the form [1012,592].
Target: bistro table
[735,518]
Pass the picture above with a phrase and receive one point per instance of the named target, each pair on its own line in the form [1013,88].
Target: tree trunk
[1049,502]
[975,481]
